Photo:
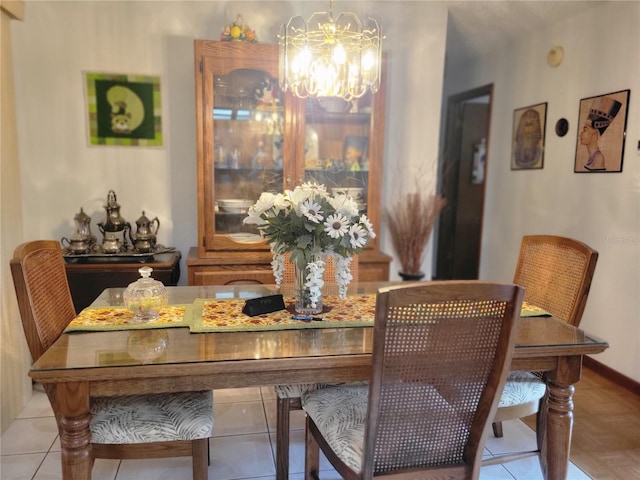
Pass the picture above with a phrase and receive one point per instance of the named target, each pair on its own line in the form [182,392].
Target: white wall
[61,173]
[603,210]
[58,41]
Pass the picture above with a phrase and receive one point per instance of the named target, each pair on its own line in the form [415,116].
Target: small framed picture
[602,123]
[355,152]
[124,109]
[529,126]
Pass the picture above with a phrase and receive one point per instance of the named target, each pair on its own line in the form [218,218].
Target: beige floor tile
[238,418]
[517,438]
[51,470]
[21,467]
[268,393]
[29,435]
[38,406]
[241,457]
[230,395]
[178,468]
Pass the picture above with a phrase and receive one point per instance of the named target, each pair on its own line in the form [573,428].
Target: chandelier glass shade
[326,58]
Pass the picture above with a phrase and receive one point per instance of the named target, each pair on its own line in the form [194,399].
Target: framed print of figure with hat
[602,123]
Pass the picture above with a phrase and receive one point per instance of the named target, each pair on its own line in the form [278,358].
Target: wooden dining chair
[122,427]
[556,273]
[288,396]
[441,354]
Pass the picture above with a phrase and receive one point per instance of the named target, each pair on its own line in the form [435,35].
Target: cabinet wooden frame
[221,58]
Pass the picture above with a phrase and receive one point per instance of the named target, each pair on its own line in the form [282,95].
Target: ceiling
[478,27]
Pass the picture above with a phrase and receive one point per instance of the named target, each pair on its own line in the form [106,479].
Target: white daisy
[358,236]
[367,224]
[336,225]
[312,211]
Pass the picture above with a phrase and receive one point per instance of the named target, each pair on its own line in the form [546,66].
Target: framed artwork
[124,109]
[602,125]
[527,146]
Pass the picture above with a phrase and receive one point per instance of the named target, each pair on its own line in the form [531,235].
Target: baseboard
[610,374]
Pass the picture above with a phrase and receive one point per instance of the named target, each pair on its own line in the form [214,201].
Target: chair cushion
[340,414]
[152,418]
[522,387]
[296,391]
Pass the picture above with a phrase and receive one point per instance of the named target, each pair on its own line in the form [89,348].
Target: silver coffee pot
[114,222]
[145,237]
[83,227]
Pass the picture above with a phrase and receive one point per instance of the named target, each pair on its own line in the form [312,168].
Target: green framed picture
[124,109]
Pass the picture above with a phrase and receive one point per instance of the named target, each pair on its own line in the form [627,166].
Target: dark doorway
[462,180]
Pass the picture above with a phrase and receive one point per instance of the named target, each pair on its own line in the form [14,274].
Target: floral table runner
[226,315]
[529,310]
[120,318]
[206,315]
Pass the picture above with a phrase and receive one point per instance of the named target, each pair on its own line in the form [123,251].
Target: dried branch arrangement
[411,221]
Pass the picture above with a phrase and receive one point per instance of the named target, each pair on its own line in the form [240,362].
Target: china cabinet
[252,137]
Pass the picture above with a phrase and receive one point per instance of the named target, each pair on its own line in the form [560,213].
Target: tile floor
[243,446]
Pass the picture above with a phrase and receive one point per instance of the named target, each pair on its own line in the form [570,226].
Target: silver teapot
[144,240]
[77,244]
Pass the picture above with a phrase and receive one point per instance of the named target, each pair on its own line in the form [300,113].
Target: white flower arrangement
[312,224]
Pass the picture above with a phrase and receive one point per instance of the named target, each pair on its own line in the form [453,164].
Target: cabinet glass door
[337,139]
[247,146]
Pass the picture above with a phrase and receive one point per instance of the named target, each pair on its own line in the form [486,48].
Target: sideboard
[89,277]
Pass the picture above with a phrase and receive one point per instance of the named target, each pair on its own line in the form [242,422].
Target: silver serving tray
[129,255]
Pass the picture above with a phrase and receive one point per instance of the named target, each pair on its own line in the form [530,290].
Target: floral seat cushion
[340,413]
[522,387]
[152,418]
[296,391]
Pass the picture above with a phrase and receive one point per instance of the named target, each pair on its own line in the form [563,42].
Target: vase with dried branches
[411,222]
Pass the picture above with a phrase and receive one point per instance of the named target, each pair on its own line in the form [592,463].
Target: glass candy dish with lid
[145,297]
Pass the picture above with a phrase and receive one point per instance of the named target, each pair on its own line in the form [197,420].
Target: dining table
[184,355]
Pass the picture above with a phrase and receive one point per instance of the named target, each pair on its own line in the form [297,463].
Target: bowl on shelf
[235,205]
[354,193]
[334,104]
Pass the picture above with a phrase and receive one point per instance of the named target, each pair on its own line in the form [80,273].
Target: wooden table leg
[282,438]
[72,402]
[557,418]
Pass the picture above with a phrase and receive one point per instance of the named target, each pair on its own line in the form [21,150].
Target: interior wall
[60,40]
[600,209]
[15,385]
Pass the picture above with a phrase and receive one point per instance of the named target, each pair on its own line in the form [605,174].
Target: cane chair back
[288,276]
[441,353]
[131,426]
[556,273]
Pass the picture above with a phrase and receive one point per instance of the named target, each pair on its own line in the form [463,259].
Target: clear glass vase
[308,286]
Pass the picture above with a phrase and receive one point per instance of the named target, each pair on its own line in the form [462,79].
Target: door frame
[448,175]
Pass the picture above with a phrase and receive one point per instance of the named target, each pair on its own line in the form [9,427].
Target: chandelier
[326,58]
